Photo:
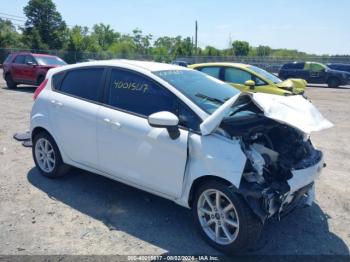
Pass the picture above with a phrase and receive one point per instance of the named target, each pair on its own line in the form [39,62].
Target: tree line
[45,29]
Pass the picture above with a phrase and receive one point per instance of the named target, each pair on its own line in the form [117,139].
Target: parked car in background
[28,68]
[180,63]
[250,78]
[340,67]
[315,73]
[236,159]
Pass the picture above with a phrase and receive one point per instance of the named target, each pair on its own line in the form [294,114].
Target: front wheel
[333,82]
[224,219]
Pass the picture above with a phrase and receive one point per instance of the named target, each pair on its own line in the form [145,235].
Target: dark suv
[28,68]
[338,66]
[315,73]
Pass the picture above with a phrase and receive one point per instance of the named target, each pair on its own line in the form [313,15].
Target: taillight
[40,88]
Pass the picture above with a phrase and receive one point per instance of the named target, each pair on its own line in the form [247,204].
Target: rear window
[212,71]
[293,66]
[82,83]
[49,60]
[8,58]
[57,80]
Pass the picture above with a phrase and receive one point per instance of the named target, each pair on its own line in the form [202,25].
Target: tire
[40,80]
[248,226]
[47,156]
[9,82]
[333,82]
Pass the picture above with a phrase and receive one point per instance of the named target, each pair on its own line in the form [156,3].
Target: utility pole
[195,37]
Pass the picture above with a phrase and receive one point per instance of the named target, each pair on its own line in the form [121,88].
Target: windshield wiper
[211,99]
[242,108]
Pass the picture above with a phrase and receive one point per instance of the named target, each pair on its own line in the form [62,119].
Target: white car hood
[294,111]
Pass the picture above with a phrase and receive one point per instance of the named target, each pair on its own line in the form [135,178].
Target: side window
[83,83]
[57,80]
[316,67]
[258,81]
[236,76]
[29,58]
[135,93]
[212,71]
[8,59]
[187,118]
[19,59]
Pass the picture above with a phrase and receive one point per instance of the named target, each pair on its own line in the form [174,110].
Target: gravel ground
[84,213]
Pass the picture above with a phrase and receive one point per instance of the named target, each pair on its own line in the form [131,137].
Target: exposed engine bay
[274,150]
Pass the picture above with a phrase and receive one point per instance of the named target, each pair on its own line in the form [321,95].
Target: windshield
[265,74]
[49,60]
[205,91]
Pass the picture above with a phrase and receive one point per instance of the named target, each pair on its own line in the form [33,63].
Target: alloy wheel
[218,216]
[45,155]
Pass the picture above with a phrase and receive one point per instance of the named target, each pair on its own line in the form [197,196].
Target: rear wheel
[224,219]
[47,156]
[9,82]
[333,82]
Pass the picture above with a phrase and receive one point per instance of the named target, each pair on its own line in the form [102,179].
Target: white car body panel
[212,155]
[305,176]
[294,111]
[74,116]
[139,153]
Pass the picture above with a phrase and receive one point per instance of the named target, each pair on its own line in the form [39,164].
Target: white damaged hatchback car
[236,159]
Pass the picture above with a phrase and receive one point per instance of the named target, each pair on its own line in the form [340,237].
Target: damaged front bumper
[267,202]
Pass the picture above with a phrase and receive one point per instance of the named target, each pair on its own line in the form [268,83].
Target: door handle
[114,124]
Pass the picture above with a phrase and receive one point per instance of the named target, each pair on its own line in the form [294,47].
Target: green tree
[9,37]
[262,50]
[105,35]
[44,27]
[211,51]
[78,43]
[240,48]
[124,48]
[142,42]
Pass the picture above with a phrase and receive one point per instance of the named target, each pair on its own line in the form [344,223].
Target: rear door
[129,148]
[73,113]
[18,68]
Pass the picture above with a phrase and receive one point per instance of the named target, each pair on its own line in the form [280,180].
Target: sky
[313,26]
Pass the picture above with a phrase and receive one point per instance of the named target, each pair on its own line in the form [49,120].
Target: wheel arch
[39,76]
[39,129]
[201,180]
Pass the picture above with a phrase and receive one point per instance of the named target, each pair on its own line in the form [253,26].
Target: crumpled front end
[282,165]
[294,85]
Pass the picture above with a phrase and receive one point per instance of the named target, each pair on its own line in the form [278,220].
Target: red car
[28,68]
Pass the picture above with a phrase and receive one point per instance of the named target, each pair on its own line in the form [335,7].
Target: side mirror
[30,63]
[250,84]
[166,120]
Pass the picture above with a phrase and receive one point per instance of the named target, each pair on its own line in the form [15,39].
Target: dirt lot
[87,214]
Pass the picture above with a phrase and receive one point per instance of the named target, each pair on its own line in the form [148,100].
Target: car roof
[33,54]
[131,64]
[239,65]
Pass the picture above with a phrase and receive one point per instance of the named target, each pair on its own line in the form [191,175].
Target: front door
[317,73]
[129,148]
